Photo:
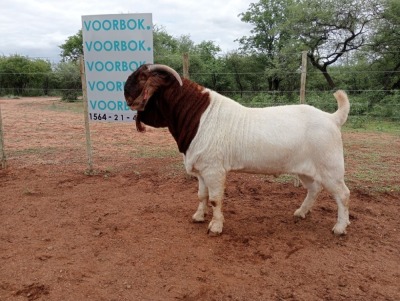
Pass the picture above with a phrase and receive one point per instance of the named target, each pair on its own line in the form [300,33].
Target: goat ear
[149,88]
[149,82]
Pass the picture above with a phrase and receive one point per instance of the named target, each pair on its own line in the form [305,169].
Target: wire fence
[253,89]
[365,104]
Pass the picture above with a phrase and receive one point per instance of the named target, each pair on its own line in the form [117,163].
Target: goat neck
[179,108]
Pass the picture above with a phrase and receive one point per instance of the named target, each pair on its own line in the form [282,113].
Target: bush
[358,122]
[323,101]
[69,95]
[267,100]
[359,104]
[22,76]
[68,80]
[388,107]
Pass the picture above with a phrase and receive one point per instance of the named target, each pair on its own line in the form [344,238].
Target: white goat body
[293,139]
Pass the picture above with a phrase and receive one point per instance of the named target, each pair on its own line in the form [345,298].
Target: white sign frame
[114,46]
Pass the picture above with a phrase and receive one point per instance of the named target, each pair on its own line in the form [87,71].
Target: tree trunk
[328,79]
[389,84]
[239,83]
[276,82]
[324,70]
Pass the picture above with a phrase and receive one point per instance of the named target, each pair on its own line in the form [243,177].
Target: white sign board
[114,46]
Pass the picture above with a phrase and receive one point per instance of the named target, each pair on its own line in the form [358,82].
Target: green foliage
[267,100]
[368,123]
[22,76]
[67,75]
[357,122]
[166,49]
[323,101]
[388,107]
[72,49]
[271,40]
[386,43]
[326,29]
[269,35]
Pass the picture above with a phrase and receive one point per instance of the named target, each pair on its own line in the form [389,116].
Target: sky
[36,28]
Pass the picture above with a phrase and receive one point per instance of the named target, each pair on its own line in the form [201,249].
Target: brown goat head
[147,80]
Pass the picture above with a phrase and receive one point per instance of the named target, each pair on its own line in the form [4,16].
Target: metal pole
[85,109]
[303,76]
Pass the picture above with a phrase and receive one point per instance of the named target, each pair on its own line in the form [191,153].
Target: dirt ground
[125,233]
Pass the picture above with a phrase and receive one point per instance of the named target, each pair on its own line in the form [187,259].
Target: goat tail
[340,116]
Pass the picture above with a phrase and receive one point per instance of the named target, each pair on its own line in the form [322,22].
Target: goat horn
[158,67]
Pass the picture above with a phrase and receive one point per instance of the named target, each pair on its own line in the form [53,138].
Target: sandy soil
[125,233]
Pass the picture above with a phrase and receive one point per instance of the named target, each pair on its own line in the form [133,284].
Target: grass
[11,96]
[59,106]
[284,179]
[367,124]
[386,189]
[373,161]
[34,151]
[154,152]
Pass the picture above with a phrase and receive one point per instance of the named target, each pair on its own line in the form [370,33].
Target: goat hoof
[339,230]
[300,214]
[199,217]
[213,234]
[198,221]
[214,228]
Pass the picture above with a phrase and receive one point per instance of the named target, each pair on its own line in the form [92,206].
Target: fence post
[186,65]
[85,109]
[2,153]
[303,76]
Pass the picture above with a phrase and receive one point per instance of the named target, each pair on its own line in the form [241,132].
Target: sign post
[85,111]
[303,77]
[2,153]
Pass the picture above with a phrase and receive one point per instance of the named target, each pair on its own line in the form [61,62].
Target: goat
[217,135]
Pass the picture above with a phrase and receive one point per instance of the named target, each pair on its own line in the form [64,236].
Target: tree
[386,44]
[20,75]
[269,39]
[247,71]
[14,77]
[203,57]
[328,29]
[40,77]
[163,43]
[205,62]
[72,49]
[67,75]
